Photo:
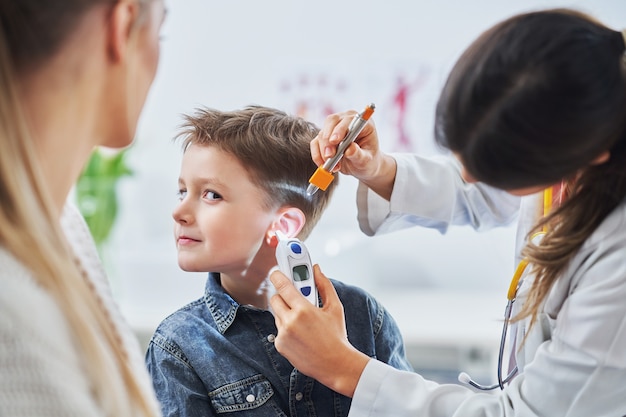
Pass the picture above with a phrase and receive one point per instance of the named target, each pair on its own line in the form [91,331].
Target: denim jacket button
[250,398]
[271,338]
[299,396]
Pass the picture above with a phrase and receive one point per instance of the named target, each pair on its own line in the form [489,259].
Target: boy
[244,176]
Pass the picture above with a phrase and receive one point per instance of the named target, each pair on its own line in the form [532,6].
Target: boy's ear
[120,24]
[289,220]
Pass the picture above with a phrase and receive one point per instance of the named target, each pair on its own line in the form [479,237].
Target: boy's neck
[247,290]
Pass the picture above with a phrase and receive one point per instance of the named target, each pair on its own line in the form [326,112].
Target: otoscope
[323,176]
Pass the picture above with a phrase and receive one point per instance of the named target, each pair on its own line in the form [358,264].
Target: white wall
[338,53]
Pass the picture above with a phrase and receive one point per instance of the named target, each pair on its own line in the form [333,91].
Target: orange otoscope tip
[321,178]
[367,113]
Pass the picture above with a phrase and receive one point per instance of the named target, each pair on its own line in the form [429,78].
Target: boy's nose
[181,214]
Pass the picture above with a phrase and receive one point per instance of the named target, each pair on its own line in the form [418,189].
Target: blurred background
[447,292]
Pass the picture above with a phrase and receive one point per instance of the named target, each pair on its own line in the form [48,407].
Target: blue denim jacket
[217,357]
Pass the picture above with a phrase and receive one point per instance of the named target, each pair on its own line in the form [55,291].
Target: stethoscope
[511,295]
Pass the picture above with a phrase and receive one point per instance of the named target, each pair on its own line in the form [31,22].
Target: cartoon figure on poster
[402,93]
[313,96]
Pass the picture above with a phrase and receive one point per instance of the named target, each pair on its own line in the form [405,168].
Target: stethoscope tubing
[511,295]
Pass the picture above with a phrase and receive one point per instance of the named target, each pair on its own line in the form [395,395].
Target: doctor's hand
[314,339]
[363,159]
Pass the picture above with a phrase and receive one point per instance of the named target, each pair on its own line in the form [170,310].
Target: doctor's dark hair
[534,101]
[273,146]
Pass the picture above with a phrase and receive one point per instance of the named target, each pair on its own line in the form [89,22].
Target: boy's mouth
[186,240]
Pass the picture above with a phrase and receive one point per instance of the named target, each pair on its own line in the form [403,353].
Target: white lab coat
[574,360]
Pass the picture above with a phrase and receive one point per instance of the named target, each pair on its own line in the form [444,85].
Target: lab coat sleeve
[577,370]
[385,391]
[430,192]
[558,384]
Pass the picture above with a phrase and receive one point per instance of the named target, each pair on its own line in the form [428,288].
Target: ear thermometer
[323,176]
[294,261]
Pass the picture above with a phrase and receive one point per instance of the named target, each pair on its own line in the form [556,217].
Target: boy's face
[220,222]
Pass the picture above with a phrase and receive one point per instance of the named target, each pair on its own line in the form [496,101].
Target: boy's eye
[212,195]
[181,194]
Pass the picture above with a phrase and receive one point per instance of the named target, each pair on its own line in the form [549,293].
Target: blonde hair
[30,230]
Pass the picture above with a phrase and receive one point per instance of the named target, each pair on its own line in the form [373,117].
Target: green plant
[96,192]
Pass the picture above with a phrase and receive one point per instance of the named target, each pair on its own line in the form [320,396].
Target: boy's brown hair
[272,145]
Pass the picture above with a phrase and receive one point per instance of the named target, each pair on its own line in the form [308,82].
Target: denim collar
[221,305]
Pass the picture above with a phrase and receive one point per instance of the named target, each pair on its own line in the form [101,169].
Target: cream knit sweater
[41,371]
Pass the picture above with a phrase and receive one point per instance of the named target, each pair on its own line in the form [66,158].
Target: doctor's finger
[333,131]
[325,288]
[316,153]
[280,309]
[288,293]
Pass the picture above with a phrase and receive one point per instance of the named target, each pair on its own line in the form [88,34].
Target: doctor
[538,102]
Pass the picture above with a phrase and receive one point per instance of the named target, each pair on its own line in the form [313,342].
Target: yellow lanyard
[511,294]
[547,204]
[521,267]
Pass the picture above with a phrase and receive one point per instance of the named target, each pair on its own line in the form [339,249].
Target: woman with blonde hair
[74,74]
